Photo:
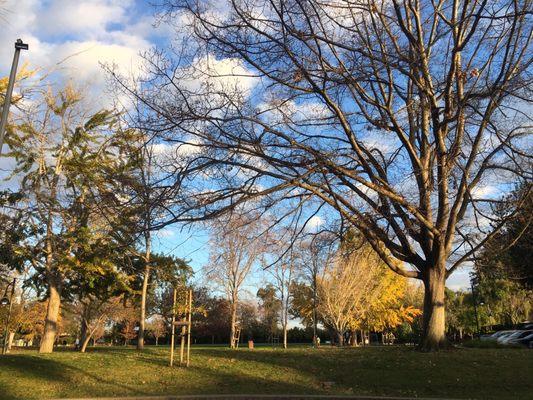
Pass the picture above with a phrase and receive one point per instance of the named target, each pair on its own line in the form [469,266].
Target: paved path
[262,397]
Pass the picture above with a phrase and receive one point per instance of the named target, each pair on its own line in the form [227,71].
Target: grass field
[386,371]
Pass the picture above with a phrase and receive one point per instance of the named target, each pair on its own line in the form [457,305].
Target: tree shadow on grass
[396,371]
[41,370]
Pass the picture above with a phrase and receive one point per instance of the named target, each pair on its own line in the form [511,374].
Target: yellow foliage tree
[389,309]
[23,73]
[358,291]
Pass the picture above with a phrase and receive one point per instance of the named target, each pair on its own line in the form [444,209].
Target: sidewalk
[260,397]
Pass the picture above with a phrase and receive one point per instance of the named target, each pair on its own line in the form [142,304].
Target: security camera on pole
[19,45]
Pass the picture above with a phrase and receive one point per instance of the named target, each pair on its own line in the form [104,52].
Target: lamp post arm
[19,45]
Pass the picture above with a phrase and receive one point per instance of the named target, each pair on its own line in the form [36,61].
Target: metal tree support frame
[19,45]
[185,323]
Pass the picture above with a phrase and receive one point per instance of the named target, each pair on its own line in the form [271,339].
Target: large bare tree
[408,118]
[236,245]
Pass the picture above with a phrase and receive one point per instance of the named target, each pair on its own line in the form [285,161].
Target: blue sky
[70,39]
[80,35]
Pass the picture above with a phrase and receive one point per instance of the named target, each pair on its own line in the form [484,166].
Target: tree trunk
[156,340]
[354,342]
[340,338]
[52,316]
[144,293]
[285,325]
[83,332]
[10,338]
[434,336]
[315,309]
[233,323]
[85,343]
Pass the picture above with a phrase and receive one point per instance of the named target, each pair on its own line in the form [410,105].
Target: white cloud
[89,17]
[166,233]
[70,40]
[221,74]
[485,191]
[314,223]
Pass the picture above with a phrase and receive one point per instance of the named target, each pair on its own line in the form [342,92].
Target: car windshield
[508,333]
[514,334]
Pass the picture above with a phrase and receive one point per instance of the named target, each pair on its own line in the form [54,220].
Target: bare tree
[283,272]
[317,255]
[407,118]
[157,327]
[236,245]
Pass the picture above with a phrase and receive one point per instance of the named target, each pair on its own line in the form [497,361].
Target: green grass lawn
[386,371]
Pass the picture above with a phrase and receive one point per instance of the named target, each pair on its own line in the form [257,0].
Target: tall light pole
[19,45]
[474,300]
[5,301]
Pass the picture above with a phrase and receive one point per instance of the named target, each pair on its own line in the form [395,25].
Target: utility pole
[19,45]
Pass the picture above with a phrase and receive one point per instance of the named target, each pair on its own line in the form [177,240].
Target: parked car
[505,335]
[494,336]
[512,339]
[525,341]
[516,335]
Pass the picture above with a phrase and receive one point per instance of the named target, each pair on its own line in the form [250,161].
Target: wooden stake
[173,327]
[183,332]
[189,328]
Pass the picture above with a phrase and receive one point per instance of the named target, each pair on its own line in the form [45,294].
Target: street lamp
[474,300]
[5,301]
[19,45]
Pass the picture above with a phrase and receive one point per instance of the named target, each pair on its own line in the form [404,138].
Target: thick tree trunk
[285,345]
[232,343]
[340,338]
[10,338]
[353,338]
[146,278]
[52,316]
[434,335]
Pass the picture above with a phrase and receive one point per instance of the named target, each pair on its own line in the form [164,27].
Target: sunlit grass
[390,371]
